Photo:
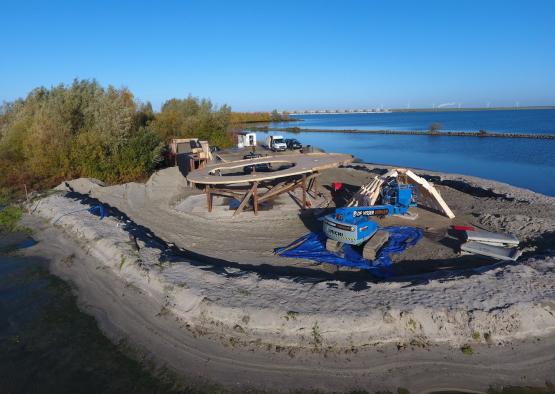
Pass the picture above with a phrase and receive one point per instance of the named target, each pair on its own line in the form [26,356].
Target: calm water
[529,121]
[47,345]
[527,163]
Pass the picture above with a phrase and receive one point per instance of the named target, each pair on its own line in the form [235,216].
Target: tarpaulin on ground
[313,247]
[97,210]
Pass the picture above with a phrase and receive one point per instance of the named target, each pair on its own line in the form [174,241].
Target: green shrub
[196,118]
[467,349]
[80,130]
[85,130]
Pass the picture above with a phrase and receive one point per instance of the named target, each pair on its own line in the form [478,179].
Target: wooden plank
[226,194]
[279,184]
[208,198]
[255,197]
[432,191]
[303,185]
[432,198]
[313,188]
[237,192]
[284,189]
[376,192]
[277,191]
[246,199]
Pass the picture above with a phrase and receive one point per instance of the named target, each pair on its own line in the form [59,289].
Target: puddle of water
[26,243]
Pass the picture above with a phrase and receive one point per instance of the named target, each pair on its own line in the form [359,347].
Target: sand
[185,287]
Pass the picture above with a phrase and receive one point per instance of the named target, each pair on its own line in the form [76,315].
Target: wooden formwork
[260,191]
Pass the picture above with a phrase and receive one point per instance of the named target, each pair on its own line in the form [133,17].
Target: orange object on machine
[336,186]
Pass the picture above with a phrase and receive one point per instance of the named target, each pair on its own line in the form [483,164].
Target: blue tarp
[97,210]
[313,247]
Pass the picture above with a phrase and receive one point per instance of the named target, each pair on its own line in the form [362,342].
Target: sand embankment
[182,310]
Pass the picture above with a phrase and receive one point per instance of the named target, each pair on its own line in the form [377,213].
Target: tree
[76,130]
[435,128]
[193,118]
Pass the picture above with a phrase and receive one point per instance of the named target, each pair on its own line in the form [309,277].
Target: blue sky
[261,55]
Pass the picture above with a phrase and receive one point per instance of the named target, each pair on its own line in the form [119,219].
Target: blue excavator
[354,225]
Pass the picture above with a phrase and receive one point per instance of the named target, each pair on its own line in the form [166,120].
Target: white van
[276,143]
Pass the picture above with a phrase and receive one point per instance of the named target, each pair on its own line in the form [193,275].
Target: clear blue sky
[260,55]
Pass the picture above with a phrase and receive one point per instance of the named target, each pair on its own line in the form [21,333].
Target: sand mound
[524,227]
[230,301]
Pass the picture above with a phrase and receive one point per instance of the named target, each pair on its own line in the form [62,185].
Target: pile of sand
[227,300]
[208,298]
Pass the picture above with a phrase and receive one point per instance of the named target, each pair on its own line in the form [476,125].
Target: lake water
[525,121]
[527,163]
[47,345]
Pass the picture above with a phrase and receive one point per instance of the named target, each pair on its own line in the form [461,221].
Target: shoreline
[127,316]
[407,132]
[444,109]
[126,286]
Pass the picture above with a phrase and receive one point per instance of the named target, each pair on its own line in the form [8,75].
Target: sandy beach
[206,297]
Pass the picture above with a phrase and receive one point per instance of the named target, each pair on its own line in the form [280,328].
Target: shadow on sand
[354,280]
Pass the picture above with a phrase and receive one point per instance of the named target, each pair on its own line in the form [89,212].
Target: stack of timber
[428,195]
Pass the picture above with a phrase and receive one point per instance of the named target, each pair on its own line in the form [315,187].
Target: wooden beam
[255,197]
[313,186]
[233,193]
[303,183]
[280,184]
[208,198]
[246,199]
[432,191]
[275,191]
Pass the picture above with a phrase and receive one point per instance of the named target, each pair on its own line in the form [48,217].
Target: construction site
[310,258]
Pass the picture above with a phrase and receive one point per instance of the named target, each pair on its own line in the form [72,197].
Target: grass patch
[291,315]
[121,262]
[467,349]
[243,292]
[68,260]
[9,217]
[476,335]
[5,197]
[316,335]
